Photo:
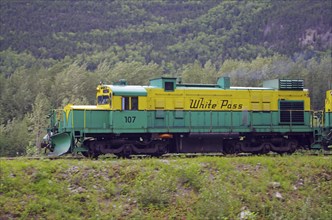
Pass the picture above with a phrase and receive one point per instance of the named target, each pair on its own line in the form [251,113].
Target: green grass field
[259,187]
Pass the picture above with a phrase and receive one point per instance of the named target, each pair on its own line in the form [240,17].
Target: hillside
[179,32]
[290,187]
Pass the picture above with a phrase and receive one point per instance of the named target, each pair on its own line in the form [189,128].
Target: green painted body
[63,142]
[81,122]
[327,133]
[90,123]
[328,120]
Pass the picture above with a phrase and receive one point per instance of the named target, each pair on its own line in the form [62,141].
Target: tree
[38,118]
[74,83]
[14,137]
[192,73]
[134,72]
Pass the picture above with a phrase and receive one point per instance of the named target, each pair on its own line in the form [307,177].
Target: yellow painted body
[222,100]
[202,99]
[208,99]
[104,90]
[70,107]
[328,101]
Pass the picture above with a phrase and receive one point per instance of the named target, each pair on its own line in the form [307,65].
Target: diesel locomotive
[172,117]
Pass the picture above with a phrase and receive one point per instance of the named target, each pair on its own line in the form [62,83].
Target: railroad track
[187,155]
[44,158]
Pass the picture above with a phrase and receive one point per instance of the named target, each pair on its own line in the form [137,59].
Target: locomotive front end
[70,125]
[327,133]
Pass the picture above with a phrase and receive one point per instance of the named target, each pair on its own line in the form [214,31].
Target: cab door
[130,119]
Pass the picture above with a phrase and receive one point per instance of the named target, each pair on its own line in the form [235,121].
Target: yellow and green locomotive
[327,121]
[171,117]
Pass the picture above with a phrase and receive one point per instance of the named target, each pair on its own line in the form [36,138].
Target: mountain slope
[177,32]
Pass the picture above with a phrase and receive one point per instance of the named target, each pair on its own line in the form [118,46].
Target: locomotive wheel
[326,147]
[90,154]
[266,147]
[231,147]
[126,152]
[292,145]
[161,149]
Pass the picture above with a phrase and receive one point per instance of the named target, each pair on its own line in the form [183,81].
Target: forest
[55,52]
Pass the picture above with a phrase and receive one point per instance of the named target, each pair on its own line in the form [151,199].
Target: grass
[260,187]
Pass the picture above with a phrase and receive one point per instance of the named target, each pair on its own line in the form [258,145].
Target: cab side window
[130,103]
[125,103]
[102,100]
[134,103]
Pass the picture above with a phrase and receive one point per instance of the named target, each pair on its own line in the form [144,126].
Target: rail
[174,156]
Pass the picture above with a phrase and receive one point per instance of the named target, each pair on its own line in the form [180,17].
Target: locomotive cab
[104,97]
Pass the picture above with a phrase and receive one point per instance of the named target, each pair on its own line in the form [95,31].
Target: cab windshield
[103,100]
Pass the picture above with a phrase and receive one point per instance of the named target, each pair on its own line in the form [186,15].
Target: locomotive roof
[136,90]
[170,84]
[128,90]
[131,90]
